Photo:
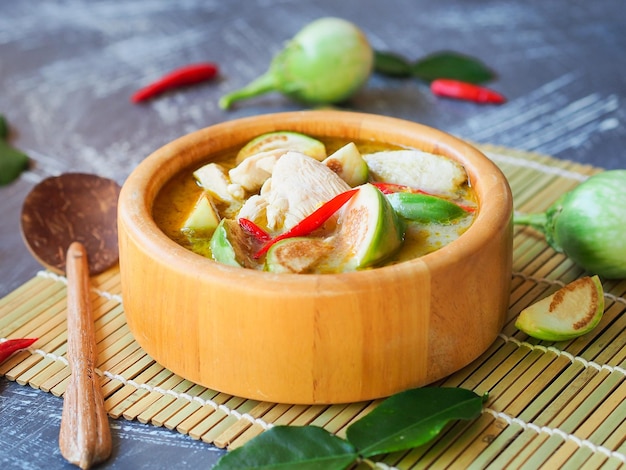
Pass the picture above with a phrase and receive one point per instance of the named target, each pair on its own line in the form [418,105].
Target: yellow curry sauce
[176,200]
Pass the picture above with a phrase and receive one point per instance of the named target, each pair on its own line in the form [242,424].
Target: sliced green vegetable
[571,311]
[348,163]
[12,161]
[411,418]
[425,208]
[203,219]
[391,64]
[296,255]
[283,140]
[452,65]
[285,447]
[231,245]
[587,224]
[326,62]
[221,247]
[369,230]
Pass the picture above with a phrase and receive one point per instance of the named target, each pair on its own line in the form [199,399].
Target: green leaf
[301,447]
[4,128]
[393,65]
[452,65]
[12,161]
[411,418]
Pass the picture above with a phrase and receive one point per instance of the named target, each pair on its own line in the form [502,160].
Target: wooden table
[68,68]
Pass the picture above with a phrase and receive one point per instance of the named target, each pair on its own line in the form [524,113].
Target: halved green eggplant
[348,163]
[231,245]
[369,230]
[286,140]
[297,255]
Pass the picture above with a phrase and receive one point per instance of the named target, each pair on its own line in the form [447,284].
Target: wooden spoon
[69,224]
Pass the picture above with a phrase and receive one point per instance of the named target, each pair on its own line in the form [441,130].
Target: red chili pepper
[10,346]
[311,222]
[465,91]
[254,230]
[187,75]
[388,188]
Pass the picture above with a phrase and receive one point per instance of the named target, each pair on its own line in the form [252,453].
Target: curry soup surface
[177,198]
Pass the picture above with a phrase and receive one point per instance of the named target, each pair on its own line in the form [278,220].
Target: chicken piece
[426,171]
[254,209]
[213,179]
[252,172]
[299,185]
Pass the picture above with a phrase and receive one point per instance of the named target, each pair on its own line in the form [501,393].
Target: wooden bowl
[307,338]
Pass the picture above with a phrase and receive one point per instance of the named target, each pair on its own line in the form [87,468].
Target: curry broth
[177,198]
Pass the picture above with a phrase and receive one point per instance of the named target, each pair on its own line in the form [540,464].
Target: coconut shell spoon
[69,224]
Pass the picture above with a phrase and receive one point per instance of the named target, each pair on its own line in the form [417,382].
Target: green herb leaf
[12,161]
[301,447]
[4,128]
[452,65]
[411,418]
[393,65]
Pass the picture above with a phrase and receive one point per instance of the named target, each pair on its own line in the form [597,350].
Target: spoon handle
[85,436]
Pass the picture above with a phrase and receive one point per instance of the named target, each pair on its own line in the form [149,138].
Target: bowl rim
[138,192]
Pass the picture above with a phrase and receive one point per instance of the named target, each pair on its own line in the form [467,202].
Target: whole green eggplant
[326,62]
[588,224]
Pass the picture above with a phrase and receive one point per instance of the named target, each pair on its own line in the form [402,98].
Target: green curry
[286,202]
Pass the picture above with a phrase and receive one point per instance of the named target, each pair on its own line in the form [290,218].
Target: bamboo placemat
[550,404]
